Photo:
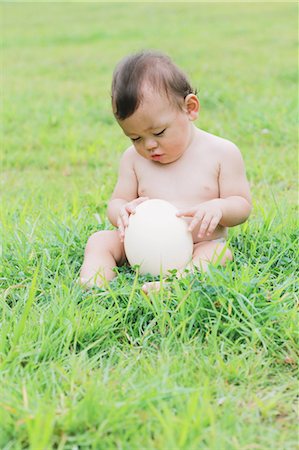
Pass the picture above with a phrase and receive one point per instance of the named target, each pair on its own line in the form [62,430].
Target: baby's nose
[151,144]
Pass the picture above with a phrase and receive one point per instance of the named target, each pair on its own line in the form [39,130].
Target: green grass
[209,364]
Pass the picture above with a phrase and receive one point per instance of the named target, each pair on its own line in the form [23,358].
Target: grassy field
[209,364]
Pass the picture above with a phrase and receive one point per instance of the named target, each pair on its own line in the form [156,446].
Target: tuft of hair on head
[151,67]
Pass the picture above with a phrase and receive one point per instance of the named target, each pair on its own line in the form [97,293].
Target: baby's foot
[89,285]
[153,286]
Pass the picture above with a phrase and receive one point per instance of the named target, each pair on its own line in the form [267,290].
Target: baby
[171,159]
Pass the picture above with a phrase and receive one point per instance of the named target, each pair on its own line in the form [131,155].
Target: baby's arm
[234,192]
[124,198]
[125,189]
[234,203]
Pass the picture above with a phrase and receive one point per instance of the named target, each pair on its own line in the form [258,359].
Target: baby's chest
[191,186]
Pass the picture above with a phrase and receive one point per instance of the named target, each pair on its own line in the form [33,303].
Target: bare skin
[171,159]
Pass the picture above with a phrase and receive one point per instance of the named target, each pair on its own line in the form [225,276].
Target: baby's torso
[187,182]
[183,183]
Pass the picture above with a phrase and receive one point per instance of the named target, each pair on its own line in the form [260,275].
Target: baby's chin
[166,159]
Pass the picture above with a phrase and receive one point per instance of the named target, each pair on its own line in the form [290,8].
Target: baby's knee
[100,239]
[96,237]
[228,256]
[106,241]
[225,256]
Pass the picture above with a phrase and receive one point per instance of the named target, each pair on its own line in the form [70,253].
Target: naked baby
[169,158]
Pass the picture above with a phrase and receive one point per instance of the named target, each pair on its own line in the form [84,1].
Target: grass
[210,363]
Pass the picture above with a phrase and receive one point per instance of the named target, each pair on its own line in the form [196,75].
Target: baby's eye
[160,134]
[135,139]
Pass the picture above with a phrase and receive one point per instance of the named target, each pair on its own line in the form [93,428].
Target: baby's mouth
[156,155]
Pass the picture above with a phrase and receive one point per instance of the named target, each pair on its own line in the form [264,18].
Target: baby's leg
[103,252]
[213,252]
[204,254]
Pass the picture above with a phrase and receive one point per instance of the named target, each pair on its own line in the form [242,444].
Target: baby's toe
[152,286]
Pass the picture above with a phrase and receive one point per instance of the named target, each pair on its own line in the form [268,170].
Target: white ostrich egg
[156,239]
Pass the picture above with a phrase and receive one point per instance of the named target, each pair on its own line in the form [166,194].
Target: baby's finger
[204,225]
[132,207]
[186,212]
[196,219]
[213,224]
[141,199]
[121,229]
[194,222]
[124,217]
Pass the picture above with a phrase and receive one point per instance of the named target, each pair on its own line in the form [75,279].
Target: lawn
[210,363]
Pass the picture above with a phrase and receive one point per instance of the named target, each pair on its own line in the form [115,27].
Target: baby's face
[158,129]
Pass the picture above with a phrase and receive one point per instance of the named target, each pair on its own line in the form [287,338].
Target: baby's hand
[124,213]
[208,214]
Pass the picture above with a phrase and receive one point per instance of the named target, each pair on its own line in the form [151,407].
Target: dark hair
[153,67]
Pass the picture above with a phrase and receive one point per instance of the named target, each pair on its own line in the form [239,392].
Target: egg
[156,239]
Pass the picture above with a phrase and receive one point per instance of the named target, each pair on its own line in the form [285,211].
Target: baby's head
[155,105]
[147,68]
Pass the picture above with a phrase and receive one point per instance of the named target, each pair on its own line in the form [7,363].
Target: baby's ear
[192,106]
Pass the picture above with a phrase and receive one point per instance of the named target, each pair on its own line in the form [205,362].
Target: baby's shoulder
[217,143]
[217,146]
[128,157]
[129,153]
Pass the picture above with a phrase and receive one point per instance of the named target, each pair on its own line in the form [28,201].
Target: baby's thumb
[142,199]
[137,203]
[187,213]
